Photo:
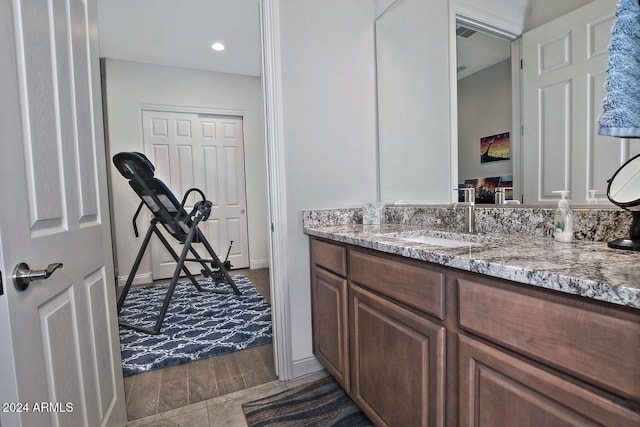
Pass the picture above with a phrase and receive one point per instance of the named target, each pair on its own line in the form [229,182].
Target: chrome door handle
[23,275]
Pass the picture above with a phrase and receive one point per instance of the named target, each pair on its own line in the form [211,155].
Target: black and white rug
[197,325]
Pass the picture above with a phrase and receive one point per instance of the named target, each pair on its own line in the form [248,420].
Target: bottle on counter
[563,219]
[591,200]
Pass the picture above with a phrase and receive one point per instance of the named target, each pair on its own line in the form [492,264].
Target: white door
[563,79]
[205,151]
[58,338]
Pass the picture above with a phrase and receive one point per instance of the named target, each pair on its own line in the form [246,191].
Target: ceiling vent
[464,32]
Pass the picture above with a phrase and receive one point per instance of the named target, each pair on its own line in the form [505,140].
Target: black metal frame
[181,225]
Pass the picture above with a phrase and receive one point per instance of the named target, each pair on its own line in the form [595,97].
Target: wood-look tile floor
[158,391]
[222,411]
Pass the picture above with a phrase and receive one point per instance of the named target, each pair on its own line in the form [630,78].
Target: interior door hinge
[1,286]
[521,64]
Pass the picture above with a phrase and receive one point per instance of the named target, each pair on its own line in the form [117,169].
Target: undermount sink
[438,241]
[447,239]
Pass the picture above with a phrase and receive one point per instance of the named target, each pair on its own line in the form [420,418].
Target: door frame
[276,187]
[513,33]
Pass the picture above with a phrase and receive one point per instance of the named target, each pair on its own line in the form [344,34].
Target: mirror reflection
[414,103]
[484,112]
[547,119]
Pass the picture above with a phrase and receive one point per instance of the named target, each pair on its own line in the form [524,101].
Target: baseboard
[139,279]
[306,366]
[258,264]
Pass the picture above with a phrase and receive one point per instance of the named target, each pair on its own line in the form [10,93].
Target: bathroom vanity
[428,327]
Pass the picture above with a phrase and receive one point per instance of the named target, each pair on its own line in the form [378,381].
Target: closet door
[205,151]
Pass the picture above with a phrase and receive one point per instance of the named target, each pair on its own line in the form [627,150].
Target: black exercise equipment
[183,226]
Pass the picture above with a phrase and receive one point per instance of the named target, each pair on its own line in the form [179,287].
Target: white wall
[130,84]
[328,99]
[484,109]
[382,5]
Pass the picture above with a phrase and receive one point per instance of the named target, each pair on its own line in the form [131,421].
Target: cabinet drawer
[595,346]
[329,256]
[406,282]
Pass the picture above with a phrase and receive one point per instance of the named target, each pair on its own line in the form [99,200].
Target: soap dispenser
[563,220]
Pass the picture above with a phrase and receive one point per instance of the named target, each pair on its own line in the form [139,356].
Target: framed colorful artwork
[495,147]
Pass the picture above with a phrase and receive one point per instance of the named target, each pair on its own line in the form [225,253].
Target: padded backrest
[164,206]
[134,165]
[160,200]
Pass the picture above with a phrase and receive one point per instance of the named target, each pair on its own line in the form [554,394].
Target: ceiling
[180,33]
[481,50]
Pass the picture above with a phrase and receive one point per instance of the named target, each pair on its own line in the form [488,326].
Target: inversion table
[183,226]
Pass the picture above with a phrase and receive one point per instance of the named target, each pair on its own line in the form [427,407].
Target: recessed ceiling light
[217,46]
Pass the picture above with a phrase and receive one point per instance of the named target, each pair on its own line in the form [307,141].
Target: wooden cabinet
[417,344]
[380,337]
[397,362]
[397,339]
[533,358]
[411,283]
[329,309]
[598,344]
[498,389]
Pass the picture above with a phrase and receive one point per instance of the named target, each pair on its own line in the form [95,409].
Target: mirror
[484,111]
[466,147]
[624,186]
[624,191]
[414,136]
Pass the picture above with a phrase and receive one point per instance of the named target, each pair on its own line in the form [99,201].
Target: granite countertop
[585,268]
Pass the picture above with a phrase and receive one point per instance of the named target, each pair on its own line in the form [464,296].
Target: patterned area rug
[321,403]
[197,325]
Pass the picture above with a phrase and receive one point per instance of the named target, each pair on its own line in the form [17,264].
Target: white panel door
[205,151]
[563,78]
[60,349]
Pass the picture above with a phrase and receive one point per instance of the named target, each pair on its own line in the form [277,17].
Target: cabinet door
[497,389]
[397,361]
[330,328]
[599,347]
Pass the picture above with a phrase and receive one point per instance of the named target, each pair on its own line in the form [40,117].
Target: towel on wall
[621,116]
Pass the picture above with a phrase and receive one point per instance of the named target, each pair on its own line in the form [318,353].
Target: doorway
[130,88]
[484,107]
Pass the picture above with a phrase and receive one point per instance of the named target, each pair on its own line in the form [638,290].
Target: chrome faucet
[469,208]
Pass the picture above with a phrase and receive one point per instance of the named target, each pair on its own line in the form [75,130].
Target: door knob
[23,275]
